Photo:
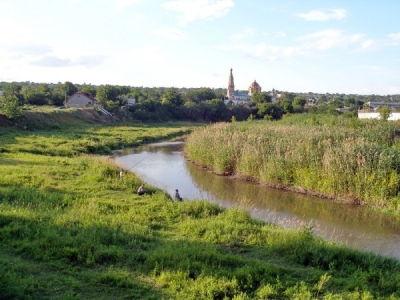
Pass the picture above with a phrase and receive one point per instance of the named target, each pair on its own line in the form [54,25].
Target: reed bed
[358,163]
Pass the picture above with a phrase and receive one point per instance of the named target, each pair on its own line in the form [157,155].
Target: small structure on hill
[80,99]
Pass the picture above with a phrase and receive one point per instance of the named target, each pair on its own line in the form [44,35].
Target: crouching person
[141,190]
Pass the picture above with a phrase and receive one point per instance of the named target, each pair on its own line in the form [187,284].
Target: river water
[163,165]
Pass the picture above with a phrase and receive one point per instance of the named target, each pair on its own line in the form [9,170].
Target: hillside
[54,118]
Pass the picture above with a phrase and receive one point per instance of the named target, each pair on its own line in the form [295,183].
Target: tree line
[162,103]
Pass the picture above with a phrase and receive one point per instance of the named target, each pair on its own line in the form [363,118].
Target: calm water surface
[164,166]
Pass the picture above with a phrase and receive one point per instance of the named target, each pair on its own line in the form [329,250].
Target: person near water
[141,189]
[177,196]
[121,173]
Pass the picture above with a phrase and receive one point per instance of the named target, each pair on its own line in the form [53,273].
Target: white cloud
[243,34]
[324,15]
[52,61]
[121,4]
[367,44]
[327,39]
[280,34]
[171,34]
[308,44]
[192,10]
[394,36]
[30,49]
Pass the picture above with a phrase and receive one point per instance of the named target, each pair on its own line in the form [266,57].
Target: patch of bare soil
[4,121]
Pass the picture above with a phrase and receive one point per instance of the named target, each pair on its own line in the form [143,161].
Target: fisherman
[141,190]
[177,197]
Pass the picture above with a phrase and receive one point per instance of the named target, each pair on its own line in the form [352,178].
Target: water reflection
[163,165]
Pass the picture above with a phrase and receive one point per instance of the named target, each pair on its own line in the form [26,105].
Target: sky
[349,47]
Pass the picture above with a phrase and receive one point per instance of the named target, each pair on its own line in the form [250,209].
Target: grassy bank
[341,158]
[70,228]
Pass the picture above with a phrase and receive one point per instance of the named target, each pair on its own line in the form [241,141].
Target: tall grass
[356,160]
[70,228]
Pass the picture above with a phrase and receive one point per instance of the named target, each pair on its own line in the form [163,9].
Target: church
[234,98]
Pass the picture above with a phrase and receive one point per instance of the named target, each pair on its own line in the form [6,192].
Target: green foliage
[9,105]
[270,111]
[107,92]
[199,95]
[172,97]
[262,97]
[384,112]
[69,88]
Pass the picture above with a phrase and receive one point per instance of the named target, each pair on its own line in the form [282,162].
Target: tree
[88,89]
[69,89]
[10,107]
[261,97]
[272,110]
[199,95]
[13,89]
[37,95]
[172,97]
[298,103]
[107,92]
[286,105]
[384,112]
[57,94]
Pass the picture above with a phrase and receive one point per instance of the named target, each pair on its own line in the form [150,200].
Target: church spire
[231,86]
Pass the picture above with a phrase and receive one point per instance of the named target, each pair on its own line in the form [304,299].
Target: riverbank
[350,160]
[70,228]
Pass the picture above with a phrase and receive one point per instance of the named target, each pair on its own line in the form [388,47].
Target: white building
[80,99]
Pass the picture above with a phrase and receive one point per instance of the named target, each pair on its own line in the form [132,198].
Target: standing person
[177,196]
[141,190]
[121,173]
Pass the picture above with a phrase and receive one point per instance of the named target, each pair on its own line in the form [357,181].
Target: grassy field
[348,159]
[70,228]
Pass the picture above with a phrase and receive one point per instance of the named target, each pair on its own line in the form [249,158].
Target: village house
[80,99]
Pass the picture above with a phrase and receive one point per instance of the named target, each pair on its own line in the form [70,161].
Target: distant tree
[286,105]
[69,88]
[274,111]
[89,89]
[172,97]
[58,95]
[37,95]
[298,103]
[13,89]
[261,97]
[137,94]
[199,95]
[384,112]
[10,106]
[107,92]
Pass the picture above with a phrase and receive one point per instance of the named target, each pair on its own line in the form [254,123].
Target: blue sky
[316,46]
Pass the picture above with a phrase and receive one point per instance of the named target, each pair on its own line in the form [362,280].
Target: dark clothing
[177,196]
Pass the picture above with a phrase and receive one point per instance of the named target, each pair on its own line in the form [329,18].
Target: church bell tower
[231,86]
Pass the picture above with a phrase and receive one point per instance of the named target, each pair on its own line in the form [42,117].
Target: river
[163,165]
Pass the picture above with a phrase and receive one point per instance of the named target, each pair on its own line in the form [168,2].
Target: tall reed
[339,160]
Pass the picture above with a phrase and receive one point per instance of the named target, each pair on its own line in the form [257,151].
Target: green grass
[70,228]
